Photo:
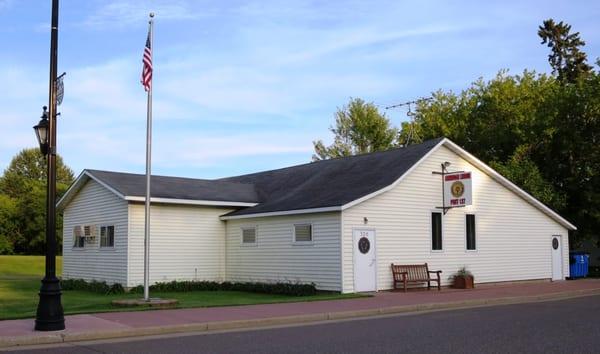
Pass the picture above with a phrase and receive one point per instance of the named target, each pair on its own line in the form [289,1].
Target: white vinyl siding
[279,258]
[513,237]
[186,243]
[95,205]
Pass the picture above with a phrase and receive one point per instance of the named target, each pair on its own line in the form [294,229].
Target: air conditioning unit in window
[89,231]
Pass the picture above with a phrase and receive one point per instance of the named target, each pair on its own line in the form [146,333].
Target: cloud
[124,13]
[362,37]
[5,4]
[201,150]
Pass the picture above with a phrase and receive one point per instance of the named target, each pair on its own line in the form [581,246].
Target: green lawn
[20,282]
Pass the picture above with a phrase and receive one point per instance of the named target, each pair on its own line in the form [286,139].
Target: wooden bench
[414,273]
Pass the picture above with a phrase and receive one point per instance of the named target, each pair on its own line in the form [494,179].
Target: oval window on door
[555,243]
[364,245]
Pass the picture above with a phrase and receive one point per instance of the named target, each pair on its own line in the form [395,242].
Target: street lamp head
[41,132]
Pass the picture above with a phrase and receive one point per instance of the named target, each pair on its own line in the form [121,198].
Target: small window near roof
[107,236]
[249,235]
[303,233]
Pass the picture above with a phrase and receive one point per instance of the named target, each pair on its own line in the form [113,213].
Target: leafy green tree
[521,170]
[570,159]
[359,128]
[28,165]
[23,202]
[538,132]
[491,118]
[8,224]
[566,58]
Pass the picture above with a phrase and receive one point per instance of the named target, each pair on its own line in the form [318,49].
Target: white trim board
[285,212]
[189,201]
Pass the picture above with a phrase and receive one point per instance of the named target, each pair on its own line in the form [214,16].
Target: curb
[55,338]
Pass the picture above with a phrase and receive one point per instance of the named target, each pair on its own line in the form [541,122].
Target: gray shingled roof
[327,183]
[330,183]
[134,185]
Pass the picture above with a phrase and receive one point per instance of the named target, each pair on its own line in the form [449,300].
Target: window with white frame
[107,236]
[78,238]
[303,233]
[249,235]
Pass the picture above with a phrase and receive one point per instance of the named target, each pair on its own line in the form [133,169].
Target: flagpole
[148,173]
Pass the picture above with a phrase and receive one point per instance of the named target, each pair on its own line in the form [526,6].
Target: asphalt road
[567,326]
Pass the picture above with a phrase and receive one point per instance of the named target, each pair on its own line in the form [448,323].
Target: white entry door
[557,261]
[365,261]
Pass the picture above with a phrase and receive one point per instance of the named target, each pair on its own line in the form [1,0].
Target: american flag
[147,69]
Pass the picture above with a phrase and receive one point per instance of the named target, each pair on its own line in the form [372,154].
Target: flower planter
[463,282]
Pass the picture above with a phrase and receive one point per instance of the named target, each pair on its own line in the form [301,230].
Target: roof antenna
[410,115]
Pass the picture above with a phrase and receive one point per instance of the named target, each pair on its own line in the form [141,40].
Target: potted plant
[463,279]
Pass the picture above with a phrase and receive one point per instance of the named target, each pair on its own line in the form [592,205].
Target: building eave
[190,201]
[282,213]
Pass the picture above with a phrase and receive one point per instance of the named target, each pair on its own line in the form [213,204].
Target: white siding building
[303,224]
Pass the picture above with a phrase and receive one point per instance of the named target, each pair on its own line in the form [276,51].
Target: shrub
[281,288]
[93,286]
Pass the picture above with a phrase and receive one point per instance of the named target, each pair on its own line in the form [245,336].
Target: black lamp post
[49,316]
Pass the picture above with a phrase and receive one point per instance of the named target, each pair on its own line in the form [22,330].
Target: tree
[23,202]
[28,165]
[359,128]
[8,224]
[568,62]
[536,131]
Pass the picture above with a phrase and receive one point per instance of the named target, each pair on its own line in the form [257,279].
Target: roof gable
[330,183]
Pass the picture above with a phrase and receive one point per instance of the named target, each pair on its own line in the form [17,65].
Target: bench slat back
[414,271]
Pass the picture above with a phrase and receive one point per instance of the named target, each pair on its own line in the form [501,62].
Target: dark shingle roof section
[130,184]
[327,183]
[332,182]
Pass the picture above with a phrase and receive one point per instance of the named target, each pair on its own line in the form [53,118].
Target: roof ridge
[163,176]
[393,149]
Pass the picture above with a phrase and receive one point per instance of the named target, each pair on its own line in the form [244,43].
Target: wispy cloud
[124,13]
[4,4]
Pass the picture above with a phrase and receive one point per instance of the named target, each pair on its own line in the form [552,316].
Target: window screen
[303,233]
[470,227]
[249,235]
[436,231]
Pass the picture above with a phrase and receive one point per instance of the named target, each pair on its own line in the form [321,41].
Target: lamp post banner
[60,90]
[457,189]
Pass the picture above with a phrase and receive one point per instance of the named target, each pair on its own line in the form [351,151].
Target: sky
[246,86]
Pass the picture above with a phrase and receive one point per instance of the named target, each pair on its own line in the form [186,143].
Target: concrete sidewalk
[127,324]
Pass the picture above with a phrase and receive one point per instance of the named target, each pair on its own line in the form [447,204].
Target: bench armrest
[434,271]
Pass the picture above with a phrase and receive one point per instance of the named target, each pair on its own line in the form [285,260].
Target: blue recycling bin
[579,264]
